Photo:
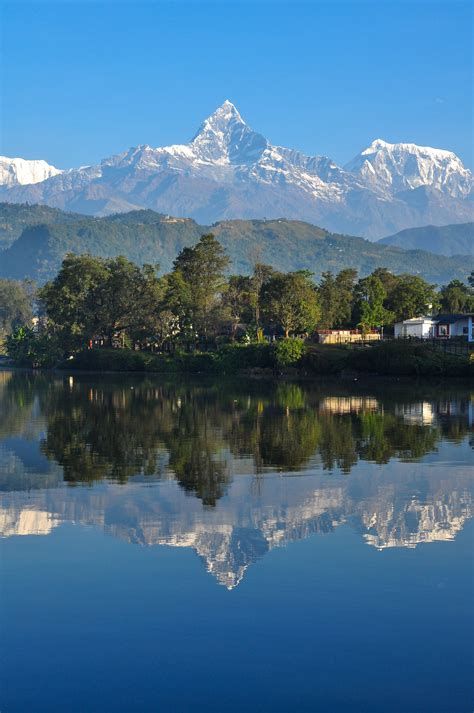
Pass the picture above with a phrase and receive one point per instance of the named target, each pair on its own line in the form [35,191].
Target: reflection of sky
[400,504]
[339,591]
[90,623]
[452,453]
[28,452]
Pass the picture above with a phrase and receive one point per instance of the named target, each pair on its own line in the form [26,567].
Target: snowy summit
[230,171]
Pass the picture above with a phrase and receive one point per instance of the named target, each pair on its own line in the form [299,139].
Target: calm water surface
[235,546]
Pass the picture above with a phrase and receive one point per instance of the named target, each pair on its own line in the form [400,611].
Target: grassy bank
[387,359]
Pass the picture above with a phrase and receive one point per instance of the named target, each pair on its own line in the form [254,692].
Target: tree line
[116,303]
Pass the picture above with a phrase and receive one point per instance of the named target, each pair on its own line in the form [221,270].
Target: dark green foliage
[410,296]
[109,314]
[457,297]
[401,358]
[290,302]
[235,357]
[369,310]
[130,360]
[28,348]
[199,272]
[336,294]
[16,306]
[322,360]
[94,298]
[289,352]
[15,217]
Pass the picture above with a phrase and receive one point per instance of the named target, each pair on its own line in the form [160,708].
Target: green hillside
[146,236]
[14,218]
[442,240]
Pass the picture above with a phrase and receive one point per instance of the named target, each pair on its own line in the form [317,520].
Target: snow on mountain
[230,171]
[19,171]
[396,167]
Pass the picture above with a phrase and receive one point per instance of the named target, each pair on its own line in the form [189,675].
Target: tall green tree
[345,283]
[69,300]
[260,276]
[328,298]
[290,302]
[16,307]
[94,297]
[411,296]
[201,270]
[369,307]
[456,297]
[236,301]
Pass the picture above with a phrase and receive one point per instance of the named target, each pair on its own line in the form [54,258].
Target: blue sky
[84,80]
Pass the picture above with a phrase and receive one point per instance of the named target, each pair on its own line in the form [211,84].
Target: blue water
[216,578]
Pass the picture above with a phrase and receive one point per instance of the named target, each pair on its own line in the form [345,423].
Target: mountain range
[442,240]
[36,239]
[229,171]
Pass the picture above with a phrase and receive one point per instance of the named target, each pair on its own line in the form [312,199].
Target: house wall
[460,328]
[418,330]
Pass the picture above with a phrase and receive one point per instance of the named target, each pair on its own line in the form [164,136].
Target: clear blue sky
[84,80]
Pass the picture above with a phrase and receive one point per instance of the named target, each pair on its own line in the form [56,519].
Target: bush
[28,348]
[325,360]
[130,360]
[231,358]
[288,352]
[400,358]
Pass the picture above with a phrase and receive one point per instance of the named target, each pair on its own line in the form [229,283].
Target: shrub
[233,357]
[325,360]
[119,360]
[28,348]
[400,358]
[288,352]
[130,360]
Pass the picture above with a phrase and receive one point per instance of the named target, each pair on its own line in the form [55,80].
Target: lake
[243,545]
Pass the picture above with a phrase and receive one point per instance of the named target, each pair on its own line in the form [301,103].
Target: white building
[417,327]
[455,325]
[444,326]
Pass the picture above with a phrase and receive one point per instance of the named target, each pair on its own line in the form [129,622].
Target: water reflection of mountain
[198,465]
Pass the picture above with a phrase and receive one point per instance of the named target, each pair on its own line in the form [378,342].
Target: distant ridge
[443,240]
[146,236]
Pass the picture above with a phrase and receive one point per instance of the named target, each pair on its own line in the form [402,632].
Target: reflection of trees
[96,433]
[193,445]
[122,427]
[288,438]
[384,436]
[18,391]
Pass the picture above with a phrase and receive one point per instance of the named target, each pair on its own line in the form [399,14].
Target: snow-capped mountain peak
[230,171]
[224,137]
[19,171]
[401,166]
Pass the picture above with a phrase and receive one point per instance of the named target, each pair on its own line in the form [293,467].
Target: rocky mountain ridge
[229,171]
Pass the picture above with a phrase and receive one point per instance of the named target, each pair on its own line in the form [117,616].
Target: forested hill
[15,218]
[148,237]
[443,240]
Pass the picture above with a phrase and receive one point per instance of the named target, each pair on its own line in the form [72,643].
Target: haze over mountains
[229,171]
[442,240]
